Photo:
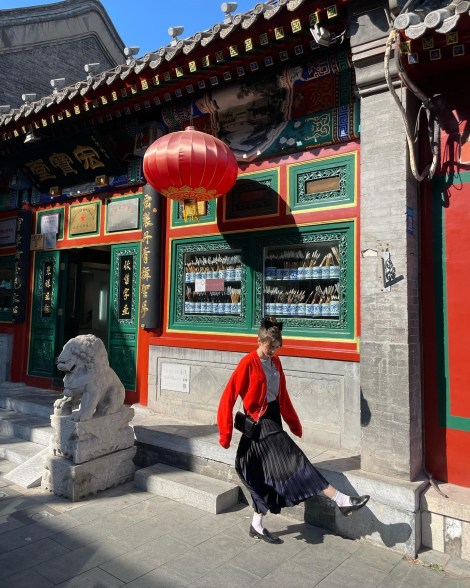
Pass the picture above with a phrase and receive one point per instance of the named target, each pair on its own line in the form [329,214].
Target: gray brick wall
[35,67]
[390,352]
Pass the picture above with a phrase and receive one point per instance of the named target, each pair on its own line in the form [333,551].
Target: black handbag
[247,425]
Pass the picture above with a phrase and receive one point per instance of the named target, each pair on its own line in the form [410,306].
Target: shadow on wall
[365,411]
[320,511]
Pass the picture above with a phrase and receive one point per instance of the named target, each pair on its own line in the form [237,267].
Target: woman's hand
[224,442]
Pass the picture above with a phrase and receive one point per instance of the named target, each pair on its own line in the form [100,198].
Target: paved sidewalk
[125,537]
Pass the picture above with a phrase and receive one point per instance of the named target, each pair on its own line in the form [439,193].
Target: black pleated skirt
[274,469]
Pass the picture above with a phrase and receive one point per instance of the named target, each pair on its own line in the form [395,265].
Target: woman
[273,468]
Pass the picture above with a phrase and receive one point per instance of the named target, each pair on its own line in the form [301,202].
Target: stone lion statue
[88,381]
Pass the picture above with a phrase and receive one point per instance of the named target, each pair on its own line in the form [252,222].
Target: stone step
[188,487]
[28,401]
[18,450]
[29,474]
[25,426]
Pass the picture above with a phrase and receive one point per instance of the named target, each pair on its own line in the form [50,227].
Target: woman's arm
[237,385]
[288,411]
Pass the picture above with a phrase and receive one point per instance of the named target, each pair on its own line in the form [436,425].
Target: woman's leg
[257,522]
[258,531]
[345,503]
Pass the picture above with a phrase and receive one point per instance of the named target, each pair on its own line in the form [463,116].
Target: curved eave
[170,66]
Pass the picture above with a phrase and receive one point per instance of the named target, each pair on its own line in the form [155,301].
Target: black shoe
[357,502]
[266,536]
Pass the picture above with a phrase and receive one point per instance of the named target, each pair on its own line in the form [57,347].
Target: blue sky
[145,23]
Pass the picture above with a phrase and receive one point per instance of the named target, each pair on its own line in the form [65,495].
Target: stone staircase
[25,432]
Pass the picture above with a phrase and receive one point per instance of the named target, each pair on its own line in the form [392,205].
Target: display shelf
[304,276]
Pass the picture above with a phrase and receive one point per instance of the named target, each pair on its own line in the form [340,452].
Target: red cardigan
[249,381]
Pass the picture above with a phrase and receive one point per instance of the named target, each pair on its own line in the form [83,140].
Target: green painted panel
[43,347]
[326,182]
[124,312]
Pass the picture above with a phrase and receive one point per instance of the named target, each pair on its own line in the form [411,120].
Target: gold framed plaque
[83,219]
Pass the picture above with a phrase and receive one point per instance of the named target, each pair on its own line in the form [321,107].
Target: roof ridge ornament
[174,33]
[57,84]
[28,98]
[91,69]
[129,52]
[227,8]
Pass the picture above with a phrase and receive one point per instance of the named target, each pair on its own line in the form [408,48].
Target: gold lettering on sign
[88,157]
[147,220]
[322,185]
[145,274]
[63,162]
[147,201]
[40,169]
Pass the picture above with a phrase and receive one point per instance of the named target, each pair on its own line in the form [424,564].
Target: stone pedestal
[64,478]
[87,440]
[88,456]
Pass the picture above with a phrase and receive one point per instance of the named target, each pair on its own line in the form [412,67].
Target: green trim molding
[254,194]
[252,279]
[323,183]
[177,219]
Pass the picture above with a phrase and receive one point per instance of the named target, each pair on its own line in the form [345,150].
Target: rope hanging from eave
[433,123]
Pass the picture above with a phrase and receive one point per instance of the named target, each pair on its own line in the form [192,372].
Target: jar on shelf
[334,271]
[325,271]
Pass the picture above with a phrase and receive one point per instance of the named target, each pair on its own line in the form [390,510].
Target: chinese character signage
[123,215]
[126,274]
[71,160]
[8,231]
[20,278]
[47,283]
[151,264]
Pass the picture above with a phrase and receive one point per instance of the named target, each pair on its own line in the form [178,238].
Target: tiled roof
[431,15]
[155,64]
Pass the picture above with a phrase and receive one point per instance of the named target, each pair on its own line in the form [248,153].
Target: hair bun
[269,322]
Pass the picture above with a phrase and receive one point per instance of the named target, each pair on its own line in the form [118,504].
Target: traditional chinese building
[325,228]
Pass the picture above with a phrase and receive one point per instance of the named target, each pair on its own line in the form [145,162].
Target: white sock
[341,499]
[257,522]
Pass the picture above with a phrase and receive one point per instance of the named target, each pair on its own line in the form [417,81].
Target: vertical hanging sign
[47,281]
[150,269]
[126,276]
[21,272]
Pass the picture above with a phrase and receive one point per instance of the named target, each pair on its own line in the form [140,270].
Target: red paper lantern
[190,166]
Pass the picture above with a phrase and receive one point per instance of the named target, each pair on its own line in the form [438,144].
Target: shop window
[210,282]
[7,270]
[304,276]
